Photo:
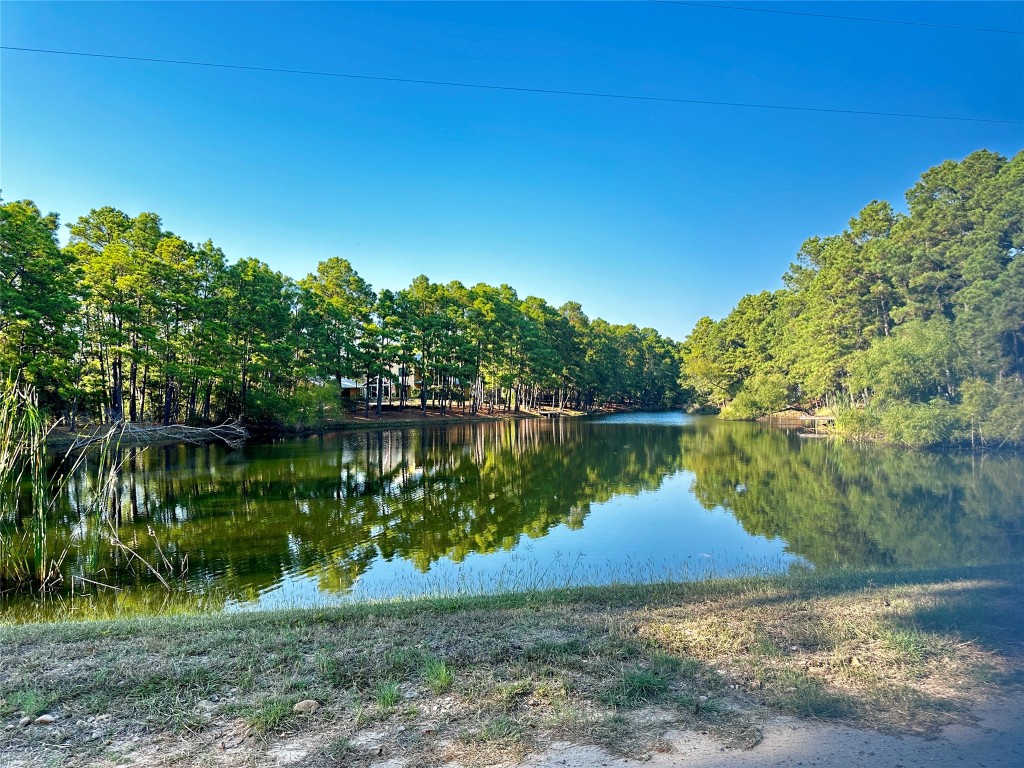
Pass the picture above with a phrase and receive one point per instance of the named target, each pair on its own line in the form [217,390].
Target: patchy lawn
[482,680]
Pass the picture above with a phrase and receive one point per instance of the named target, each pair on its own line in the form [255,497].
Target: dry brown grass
[487,680]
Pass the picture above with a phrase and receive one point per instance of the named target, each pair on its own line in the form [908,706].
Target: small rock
[215,698]
[24,721]
[44,720]
[306,706]
[9,727]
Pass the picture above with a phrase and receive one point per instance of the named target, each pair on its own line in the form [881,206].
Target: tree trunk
[168,400]
[145,388]
[206,400]
[133,414]
[190,410]
[117,391]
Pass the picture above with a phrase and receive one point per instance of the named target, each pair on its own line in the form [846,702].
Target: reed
[29,494]
[22,463]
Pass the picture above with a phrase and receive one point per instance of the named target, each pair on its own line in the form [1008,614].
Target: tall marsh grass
[29,494]
[22,463]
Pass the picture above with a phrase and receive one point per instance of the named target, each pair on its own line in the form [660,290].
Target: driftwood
[232,433]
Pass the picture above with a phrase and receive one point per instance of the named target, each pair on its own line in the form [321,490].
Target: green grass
[915,646]
[498,672]
[438,675]
[387,694]
[808,697]
[28,702]
[501,728]
[269,714]
[339,747]
[634,687]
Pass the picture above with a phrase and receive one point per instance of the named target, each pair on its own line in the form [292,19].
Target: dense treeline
[909,326]
[130,321]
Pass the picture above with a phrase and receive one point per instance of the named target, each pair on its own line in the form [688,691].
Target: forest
[905,327]
[130,321]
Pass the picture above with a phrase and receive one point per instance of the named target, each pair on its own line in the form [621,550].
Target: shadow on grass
[907,652]
[900,651]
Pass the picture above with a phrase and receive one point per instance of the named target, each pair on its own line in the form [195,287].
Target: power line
[841,18]
[487,87]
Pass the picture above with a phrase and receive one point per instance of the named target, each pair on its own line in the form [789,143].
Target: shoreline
[65,441]
[408,419]
[482,679]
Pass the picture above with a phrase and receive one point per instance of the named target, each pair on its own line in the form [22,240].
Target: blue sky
[645,212]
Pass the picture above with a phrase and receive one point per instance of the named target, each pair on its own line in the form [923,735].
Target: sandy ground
[996,740]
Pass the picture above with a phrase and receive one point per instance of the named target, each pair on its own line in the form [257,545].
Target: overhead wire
[509,88]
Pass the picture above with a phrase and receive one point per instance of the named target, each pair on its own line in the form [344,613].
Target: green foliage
[132,322]
[912,324]
[38,300]
[933,423]
[760,394]
[22,466]
[993,411]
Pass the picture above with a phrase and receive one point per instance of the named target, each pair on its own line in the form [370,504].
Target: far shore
[61,438]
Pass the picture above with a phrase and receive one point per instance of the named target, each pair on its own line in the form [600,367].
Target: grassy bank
[481,679]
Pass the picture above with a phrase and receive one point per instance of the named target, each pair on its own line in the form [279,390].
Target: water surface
[530,503]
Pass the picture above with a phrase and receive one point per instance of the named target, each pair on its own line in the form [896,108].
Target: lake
[518,504]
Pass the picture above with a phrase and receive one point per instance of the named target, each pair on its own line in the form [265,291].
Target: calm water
[528,503]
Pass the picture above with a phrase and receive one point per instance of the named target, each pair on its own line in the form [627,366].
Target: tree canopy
[131,321]
[908,326]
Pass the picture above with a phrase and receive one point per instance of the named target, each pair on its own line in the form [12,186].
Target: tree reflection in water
[328,507]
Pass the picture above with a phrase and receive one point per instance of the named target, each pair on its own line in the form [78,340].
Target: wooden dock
[817,420]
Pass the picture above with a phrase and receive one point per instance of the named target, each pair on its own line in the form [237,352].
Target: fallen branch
[116,540]
[231,433]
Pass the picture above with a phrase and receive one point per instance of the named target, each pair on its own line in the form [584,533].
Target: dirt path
[996,740]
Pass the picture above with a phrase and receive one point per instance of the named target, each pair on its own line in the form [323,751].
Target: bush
[993,413]
[920,424]
[762,393]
